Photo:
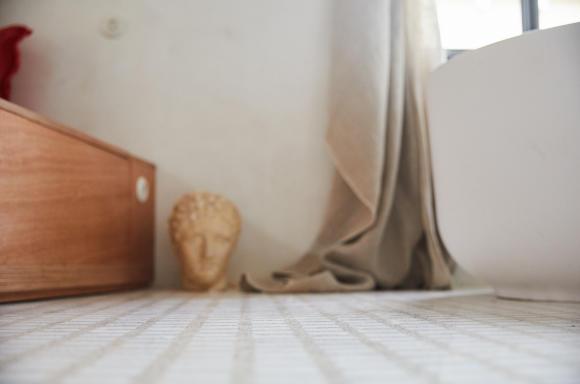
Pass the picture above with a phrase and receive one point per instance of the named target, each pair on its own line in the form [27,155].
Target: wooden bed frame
[76,214]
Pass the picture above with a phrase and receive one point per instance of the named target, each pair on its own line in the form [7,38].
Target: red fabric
[9,56]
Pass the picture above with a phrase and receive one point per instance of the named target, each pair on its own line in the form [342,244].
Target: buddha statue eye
[222,238]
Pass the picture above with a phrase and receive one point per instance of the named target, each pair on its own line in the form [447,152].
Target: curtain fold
[379,230]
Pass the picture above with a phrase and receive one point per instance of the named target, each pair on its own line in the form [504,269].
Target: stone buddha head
[204,229]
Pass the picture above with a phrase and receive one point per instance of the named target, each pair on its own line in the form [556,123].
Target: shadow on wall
[166,262]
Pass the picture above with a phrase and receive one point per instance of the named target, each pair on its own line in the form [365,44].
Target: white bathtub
[505,133]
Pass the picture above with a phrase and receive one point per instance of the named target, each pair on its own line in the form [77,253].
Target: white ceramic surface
[505,131]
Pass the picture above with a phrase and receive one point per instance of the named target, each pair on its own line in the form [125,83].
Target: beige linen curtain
[379,230]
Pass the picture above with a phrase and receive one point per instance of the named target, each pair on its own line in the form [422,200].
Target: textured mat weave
[174,337]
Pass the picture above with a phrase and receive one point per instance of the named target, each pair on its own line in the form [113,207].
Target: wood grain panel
[69,219]
[142,224]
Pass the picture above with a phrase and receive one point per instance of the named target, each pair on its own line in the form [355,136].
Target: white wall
[228,96]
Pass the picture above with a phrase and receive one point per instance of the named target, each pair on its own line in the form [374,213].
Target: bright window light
[558,12]
[471,24]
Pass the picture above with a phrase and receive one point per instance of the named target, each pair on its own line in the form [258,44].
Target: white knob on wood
[142,189]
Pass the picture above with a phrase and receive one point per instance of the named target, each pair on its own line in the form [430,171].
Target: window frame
[530,21]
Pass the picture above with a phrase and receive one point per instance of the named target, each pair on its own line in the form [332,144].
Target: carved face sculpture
[204,230]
